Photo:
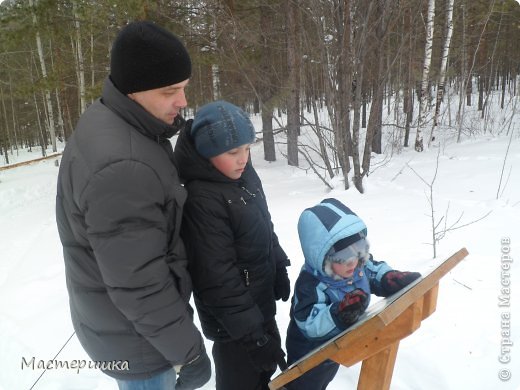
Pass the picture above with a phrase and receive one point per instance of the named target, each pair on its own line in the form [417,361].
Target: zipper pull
[249,192]
[246,274]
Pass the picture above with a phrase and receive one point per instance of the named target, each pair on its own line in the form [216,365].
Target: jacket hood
[136,115]
[192,166]
[321,226]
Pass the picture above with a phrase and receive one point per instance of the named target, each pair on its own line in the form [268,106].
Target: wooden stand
[374,340]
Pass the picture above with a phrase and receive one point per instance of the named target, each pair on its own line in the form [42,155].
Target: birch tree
[48,99]
[80,64]
[419,144]
[444,64]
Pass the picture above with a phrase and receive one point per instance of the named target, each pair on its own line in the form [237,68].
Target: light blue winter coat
[316,295]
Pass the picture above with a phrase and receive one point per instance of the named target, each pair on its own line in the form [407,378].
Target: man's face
[163,103]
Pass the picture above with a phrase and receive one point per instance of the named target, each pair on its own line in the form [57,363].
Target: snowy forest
[350,59]
[410,105]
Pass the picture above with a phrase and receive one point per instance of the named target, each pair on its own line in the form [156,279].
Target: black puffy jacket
[119,209]
[233,251]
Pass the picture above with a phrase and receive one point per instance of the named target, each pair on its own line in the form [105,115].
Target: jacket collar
[136,115]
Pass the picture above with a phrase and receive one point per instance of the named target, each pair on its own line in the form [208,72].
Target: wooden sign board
[374,339]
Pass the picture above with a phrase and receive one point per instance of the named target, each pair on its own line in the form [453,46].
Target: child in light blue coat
[334,286]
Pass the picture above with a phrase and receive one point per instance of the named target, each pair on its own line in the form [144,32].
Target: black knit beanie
[146,56]
[221,126]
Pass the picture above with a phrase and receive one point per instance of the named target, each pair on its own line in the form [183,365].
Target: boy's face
[233,162]
[345,269]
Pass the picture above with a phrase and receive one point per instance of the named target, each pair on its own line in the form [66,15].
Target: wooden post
[376,371]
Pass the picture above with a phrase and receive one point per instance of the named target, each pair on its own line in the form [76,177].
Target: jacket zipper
[246,275]
[248,192]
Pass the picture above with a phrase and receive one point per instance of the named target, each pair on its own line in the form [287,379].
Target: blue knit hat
[221,126]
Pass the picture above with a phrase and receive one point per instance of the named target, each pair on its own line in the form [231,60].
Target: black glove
[266,353]
[393,281]
[282,285]
[354,304]
[195,373]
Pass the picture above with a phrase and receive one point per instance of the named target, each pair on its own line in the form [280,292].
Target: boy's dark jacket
[233,251]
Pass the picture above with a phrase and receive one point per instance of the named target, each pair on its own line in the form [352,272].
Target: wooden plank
[421,287]
[16,165]
[377,371]
[363,347]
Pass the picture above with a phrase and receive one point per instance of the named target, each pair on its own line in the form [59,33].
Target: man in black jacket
[119,209]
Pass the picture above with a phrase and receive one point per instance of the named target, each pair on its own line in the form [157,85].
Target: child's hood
[321,226]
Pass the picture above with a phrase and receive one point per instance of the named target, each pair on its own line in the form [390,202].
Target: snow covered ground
[458,347]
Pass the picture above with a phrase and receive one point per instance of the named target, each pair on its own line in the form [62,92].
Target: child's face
[345,269]
[233,162]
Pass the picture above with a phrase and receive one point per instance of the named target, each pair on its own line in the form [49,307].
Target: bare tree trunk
[374,122]
[265,90]
[468,82]
[80,64]
[13,114]
[364,110]
[50,122]
[41,136]
[373,136]
[7,140]
[92,72]
[492,74]
[444,65]
[5,152]
[408,103]
[267,132]
[359,58]
[61,128]
[419,144]
[480,92]
[504,82]
[215,73]
[460,112]
[408,109]
[342,104]
[323,147]
[293,64]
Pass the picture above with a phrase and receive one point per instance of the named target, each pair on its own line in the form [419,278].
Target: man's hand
[194,374]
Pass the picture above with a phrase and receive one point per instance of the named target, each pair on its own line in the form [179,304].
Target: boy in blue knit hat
[334,286]
[236,263]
